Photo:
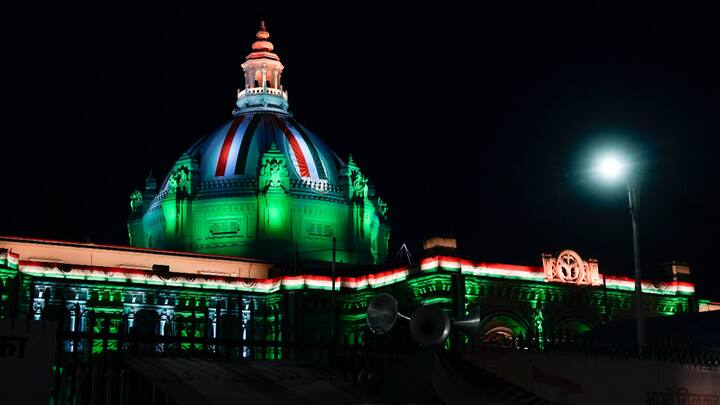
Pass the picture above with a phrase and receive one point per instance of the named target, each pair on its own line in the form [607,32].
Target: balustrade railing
[262,90]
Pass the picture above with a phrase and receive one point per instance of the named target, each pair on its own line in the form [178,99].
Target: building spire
[262,43]
[263,71]
[262,33]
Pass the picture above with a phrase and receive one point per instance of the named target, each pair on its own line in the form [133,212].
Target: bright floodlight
[611,167]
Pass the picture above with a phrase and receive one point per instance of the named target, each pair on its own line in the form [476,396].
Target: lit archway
[499,335]
[501,329]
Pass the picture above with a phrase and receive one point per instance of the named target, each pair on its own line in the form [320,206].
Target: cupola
[263,72]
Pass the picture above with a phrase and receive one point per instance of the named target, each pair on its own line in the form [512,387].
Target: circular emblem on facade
[569,267]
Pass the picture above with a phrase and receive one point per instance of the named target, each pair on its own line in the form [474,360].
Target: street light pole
[332,293]
[612,168]
[333,276]
[632,187]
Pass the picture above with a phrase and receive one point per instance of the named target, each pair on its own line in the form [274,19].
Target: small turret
[263,72]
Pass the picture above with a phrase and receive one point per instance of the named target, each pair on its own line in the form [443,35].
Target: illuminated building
[231,253]
[263,186]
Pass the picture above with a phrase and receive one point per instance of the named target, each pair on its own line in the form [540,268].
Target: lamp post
[332,295]
[333,310]
[612,168]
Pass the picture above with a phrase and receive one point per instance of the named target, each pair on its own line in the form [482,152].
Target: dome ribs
[227,143]
[295,146]
[313,151]
[245,145]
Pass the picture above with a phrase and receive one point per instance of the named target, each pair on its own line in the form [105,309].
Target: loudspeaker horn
[431,325]
[382,313]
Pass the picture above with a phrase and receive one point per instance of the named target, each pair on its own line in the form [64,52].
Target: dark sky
[479,121]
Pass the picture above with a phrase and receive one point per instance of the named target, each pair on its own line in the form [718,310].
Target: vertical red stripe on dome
[227,143]
[297,150]
[313,150]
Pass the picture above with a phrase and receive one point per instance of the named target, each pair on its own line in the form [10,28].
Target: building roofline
[133,249]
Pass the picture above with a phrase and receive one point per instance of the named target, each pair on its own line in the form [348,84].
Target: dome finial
[262,33]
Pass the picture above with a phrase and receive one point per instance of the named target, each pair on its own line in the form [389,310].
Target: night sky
[481,122]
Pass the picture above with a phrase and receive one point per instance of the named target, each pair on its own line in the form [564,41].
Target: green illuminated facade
[285,310]
[111,311]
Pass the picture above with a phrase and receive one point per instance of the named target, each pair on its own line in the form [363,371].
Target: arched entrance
[502,329]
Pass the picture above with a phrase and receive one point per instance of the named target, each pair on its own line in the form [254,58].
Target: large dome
[263,186]
[233,152]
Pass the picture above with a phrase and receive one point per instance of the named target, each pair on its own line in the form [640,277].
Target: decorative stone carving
[136,200]
[538,321]
[359,184]
[382,206]
[569,267]
[273,173]
[178,179]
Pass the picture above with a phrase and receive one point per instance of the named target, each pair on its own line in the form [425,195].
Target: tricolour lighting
[445,264]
